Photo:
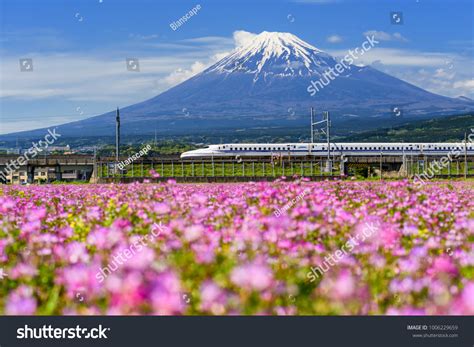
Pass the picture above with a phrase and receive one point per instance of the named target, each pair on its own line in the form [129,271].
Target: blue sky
[79,47]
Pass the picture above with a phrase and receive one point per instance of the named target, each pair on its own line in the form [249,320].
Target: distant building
[44,175]
[66,148]
[19,176]
[13,151]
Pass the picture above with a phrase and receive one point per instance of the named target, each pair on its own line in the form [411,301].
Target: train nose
[185,155]
[192,154]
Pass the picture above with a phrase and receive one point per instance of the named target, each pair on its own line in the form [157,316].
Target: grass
[260,169]
[200,169]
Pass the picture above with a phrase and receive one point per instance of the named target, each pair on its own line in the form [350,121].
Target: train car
[336,149]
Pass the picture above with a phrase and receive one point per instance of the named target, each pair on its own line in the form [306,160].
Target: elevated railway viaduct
[102,169]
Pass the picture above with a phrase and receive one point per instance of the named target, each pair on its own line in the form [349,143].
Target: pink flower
[23,270]
[161,208]
[21,302]
[141,259]
[77,252]
[154,174]
[344,286]
[468,298]
[166,296]
[79,278]
[443,264]
[252,276]
[36,214]
[213,298]
[193,232]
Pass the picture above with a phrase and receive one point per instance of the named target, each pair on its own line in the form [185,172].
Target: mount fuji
[265,84]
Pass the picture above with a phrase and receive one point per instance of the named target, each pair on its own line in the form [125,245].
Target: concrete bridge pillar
[58,173]
[30,172]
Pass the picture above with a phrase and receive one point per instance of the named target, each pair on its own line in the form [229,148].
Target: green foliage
[445,129]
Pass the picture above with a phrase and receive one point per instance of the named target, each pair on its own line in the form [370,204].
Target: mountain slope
[264,84]
[443,129]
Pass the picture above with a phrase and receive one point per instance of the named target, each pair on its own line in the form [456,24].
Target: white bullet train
[336,149]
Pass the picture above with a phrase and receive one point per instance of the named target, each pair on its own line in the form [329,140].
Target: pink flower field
[221,249]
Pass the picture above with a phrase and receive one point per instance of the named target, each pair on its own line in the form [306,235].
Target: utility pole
[117,136]
[327,132]
[380,165]
[312,124]
[328,127]
[94,176]
[465,155]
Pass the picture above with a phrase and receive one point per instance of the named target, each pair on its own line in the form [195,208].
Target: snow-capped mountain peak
[278,54]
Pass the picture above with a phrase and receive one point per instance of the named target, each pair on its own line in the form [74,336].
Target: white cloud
[465,84]
[93,77]
[384,36]
[181,75]
[242,38]
[442,73]
[143,37]
[87,77]
[210,39]
[334,39]
[393,56]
